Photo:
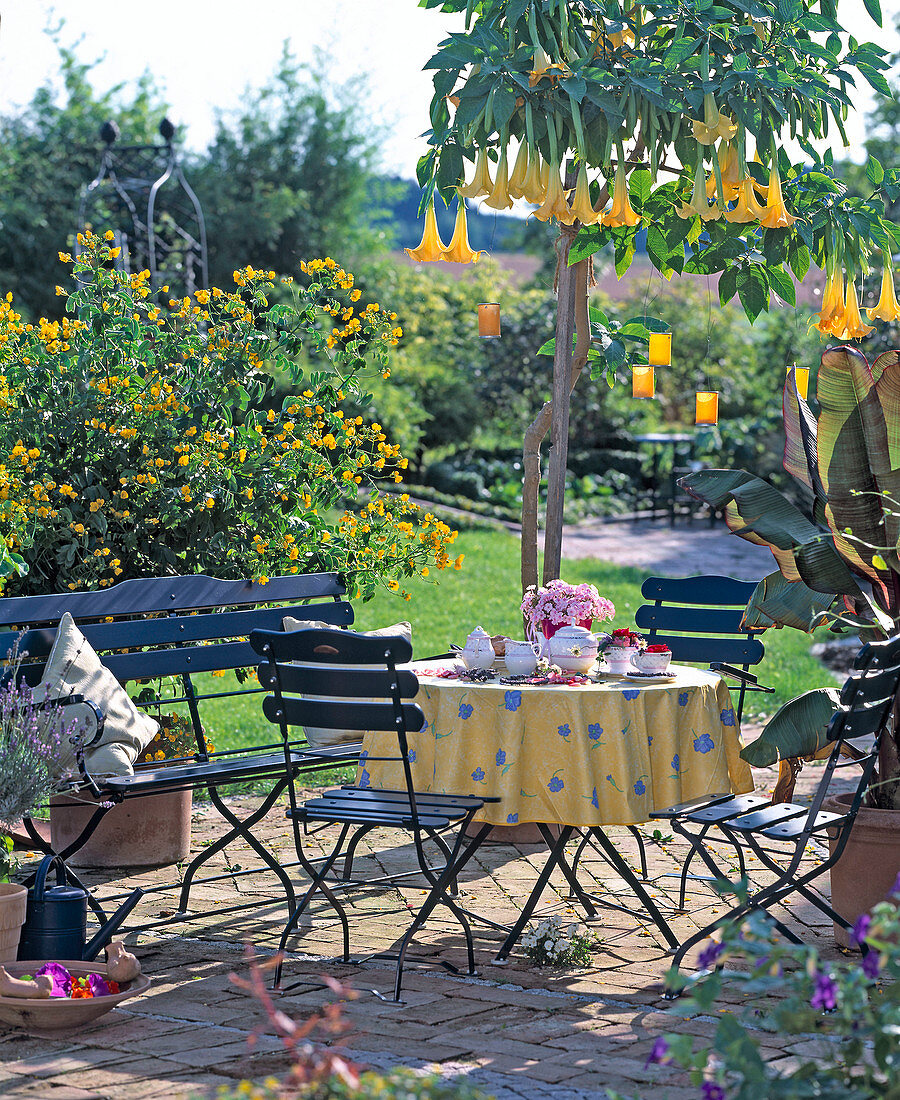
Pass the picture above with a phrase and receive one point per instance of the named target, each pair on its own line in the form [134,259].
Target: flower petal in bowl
[55,1013]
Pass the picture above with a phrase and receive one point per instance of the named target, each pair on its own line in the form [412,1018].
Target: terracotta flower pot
[149,831]
[869,864]
[13,898]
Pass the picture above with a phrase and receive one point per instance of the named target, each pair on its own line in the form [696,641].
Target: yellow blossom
[458,250]
[431,246]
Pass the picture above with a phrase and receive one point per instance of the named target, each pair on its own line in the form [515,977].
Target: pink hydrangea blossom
[559,602]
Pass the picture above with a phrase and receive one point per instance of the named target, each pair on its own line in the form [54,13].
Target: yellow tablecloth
[595,754]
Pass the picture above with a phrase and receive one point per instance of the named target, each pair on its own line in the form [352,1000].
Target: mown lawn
[486,591]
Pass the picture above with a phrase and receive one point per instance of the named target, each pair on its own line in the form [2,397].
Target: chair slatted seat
[425,817]
[867,699]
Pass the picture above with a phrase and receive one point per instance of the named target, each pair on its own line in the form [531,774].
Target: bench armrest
[746,678]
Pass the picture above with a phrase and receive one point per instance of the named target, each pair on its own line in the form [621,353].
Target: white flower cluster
[550,943]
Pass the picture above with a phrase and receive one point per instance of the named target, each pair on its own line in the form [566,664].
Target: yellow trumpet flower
[698,206]
[761,188]
[715,123]
[832,304]
[431,246]
[748,208]
[534,186]
[499,198]
[854,329]
[544,67]
[554,204]
[777,215]
[620,213]
[516,188]
[481,184]
[581,207]
[887,308]
[458,250]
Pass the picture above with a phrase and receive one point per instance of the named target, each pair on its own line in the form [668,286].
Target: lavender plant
[32,733]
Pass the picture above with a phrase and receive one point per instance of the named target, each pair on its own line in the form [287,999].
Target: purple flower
[564,732]
[704,743]
[500,757]
[860,929]
[871,964]
[62,979]
[712,1091]
[98,985]
[555,784]
[659,1055]
[727,716]
[512,700]
[478,775]
[895,889]
[709,956]
[595,731]
[511,819]
[465,710]
[824,997]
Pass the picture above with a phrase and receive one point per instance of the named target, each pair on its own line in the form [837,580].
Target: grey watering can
[56,921]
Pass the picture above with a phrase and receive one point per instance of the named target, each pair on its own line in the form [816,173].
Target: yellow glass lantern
[643,382]
[707,407]
[660,349]
[801,377]
[489,320]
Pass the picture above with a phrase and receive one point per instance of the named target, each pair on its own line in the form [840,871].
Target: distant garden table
[578,756]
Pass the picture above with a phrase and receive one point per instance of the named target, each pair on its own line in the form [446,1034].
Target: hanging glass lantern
[489,320]
[643,382]
[801,378]
[707,407]
[660,354]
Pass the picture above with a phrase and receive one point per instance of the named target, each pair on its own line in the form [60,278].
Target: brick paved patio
[519,1032]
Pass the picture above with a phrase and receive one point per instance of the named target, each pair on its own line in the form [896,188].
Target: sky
[204,54]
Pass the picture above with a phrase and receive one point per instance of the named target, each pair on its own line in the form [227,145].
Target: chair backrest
[310,685]
[700,620]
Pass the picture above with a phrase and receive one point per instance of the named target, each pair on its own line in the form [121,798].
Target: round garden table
[606,752]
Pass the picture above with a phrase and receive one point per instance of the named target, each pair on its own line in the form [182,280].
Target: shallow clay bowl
[52,1013]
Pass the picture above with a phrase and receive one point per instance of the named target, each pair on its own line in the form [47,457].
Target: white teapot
[573,648]
[478,652]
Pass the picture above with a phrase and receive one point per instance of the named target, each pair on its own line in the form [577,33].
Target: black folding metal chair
[311,693]
[700,620]
[777,833]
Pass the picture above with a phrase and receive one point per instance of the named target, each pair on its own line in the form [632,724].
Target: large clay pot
[149,831]
[13,903]
[869,864]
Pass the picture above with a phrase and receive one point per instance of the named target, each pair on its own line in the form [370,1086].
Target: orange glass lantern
[489,320]
[707,407]
[660,354]
[643,382]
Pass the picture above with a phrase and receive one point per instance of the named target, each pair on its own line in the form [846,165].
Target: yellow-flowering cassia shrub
[136,437]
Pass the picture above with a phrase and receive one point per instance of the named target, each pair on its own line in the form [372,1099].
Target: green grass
[487,592]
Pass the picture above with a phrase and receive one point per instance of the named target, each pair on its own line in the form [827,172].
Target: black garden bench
[180,627]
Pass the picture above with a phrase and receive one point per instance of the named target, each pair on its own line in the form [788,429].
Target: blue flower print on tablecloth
[555,784]
[411,756]
[676,763]
[465,710]
[512,819]
[500,758]
[609,779]
[512,700]
[595,731]
[594,802]
[365,779]
[727,716]
[478,775]
[564,732]
[639,787]
[704,743]
[630,695]
[683,697]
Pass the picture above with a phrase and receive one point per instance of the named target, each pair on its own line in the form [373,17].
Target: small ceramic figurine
[478,652]
[121,965]
[25,987]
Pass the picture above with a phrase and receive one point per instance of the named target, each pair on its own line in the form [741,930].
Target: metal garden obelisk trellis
[141,193]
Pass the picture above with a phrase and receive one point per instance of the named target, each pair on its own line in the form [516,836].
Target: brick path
[517,1031]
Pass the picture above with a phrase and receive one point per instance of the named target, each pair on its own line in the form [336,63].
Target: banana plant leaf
[859,459]
[800,453]
[777,601]
[799,728]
